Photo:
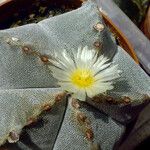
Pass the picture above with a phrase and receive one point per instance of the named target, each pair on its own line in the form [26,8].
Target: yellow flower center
[82,78]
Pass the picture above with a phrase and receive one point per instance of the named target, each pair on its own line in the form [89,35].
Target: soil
[36,13]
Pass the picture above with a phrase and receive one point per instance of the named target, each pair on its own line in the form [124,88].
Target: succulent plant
[142,6]
[135,9]
[27,86]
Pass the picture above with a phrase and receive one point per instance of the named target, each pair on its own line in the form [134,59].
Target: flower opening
[83,73]
[82,78]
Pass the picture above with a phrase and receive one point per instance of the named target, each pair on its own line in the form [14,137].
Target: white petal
[82,65]
[83,54]
[101,60]
[59,73]
[87,55]
[59,64]
[103,86]
[100,64]
[85,58]
[79,53]
[67,57]
[67,86]
[77,93]
[107,77]
[97,69]
[61,77]
[109,73]
[81,95]
[91,92]
[66,61]
[97,89]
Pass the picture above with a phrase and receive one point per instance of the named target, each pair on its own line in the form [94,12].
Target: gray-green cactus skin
[27,86]
[21,107]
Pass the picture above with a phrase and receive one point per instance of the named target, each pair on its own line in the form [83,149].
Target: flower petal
[91,92]
[98,88]
[108,74]
[65,60]
[100,64]
[81,95]
[86,59]
[60,74]
[68,86]
[100,68]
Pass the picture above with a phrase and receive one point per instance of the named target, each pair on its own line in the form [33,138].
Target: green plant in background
[142,6]
[135,9]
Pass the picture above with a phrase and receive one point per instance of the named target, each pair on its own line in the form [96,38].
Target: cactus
[27,86]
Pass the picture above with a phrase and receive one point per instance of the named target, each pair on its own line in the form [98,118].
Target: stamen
[82,78]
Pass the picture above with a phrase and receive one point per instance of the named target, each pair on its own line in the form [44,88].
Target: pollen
[82,78]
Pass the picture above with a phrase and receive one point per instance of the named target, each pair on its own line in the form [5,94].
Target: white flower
[84,73]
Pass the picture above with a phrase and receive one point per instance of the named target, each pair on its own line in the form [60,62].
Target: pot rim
[4,2]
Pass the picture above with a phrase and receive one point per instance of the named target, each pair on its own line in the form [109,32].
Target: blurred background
[138,11]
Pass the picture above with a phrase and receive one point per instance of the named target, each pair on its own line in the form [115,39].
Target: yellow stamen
[82,78]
